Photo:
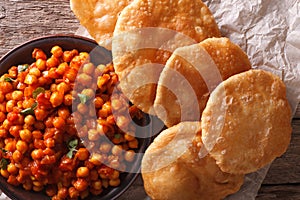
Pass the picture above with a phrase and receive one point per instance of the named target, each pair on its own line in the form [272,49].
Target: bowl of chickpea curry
[66,130]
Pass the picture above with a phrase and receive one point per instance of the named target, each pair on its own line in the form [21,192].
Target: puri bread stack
[224,119]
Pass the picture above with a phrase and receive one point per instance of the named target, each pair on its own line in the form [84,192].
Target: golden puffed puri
[146,34]
[99,17]
[247,122]
[191,73]
[172,169]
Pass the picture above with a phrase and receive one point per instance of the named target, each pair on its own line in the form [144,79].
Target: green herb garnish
[38,91]
[22,68]
[118,136]
[3,150]
[3,163]
[29,111]
[83,98]
[72,147]
[8,79]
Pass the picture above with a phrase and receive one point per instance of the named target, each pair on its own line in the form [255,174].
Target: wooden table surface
[24,20]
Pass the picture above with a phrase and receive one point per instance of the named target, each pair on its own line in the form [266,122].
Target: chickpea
[93,135]
[98,101]
[82,108]
[63,87]
[114,182]
[40,114]
[88,68]
[71,74]
[26,135]
[63,112]
[12,169]
[73,192]
[38,53]
[40,64]
[105,147]
[10,146]
[97,185]
[62,193]
[27,185]
[52,62]
[22,146]
[82,172]
[133,144]
[37,188]
[17,95]
[30,79]
[56,99]
[49,142]
[96,159]
[6,87]
[10,105]
[57,51]
[58,122]
[115,175]
[4,173]
[68,99]
[82,154]
[129,155]
[29,120]
[37,154]
[17,156]
[80,184]
[94,175]
[15,130]
[53,87]
[84,79]
[3,133]
[35,72]
[116,150]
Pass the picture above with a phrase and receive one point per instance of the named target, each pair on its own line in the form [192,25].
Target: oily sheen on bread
[247,122]
[191,73]
[187,176]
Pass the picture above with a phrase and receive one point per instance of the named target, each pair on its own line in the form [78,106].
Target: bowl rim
[39,38]
[137,166]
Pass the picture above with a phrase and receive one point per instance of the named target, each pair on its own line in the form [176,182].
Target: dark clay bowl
[22,55]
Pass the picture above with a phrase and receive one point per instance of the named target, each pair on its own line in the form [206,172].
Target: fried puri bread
[146,34]
[191,73]
[99,17]
[186,176]
[247,122]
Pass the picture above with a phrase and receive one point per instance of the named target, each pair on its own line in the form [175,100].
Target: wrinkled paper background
[269,32]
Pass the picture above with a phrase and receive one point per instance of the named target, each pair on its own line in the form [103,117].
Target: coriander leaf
[72,147]
[70,154]
[3,163]
[22,68]
[118,136]
[37,91]
[83,98]
[73,143]
[8,79]
[29,111]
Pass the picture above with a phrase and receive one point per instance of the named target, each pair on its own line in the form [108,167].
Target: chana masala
[62,128]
